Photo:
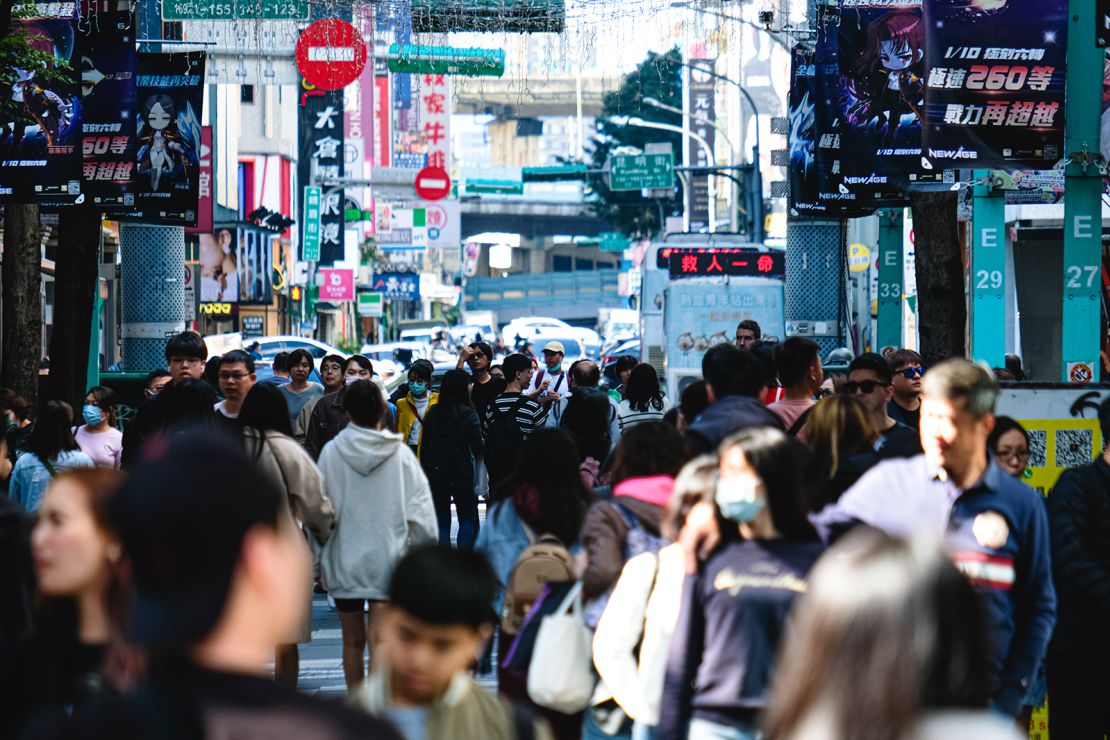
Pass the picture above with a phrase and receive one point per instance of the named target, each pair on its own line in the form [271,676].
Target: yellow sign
[859,257]
[216,309]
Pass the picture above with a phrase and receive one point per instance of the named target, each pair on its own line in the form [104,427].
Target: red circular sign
[331,54]
[433,183]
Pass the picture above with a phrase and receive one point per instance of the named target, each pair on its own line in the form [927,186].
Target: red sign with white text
[331,54]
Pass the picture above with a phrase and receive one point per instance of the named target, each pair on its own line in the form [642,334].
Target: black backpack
[504,440]
[443,451]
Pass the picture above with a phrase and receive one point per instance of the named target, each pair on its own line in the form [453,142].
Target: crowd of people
[774,554]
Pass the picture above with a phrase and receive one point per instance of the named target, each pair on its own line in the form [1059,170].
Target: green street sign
[310,242]
[641,171]
[446,60]
[554,174]
[370,304]
[234,10]
[495,187]
[350,215]
[612,241]
[513,16]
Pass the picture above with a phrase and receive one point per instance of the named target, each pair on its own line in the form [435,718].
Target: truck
[696,288]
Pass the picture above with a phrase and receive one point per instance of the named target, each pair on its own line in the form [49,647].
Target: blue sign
[397,285]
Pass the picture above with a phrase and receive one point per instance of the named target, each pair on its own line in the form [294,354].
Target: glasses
[233,376]
[912,372]
[864,386]
[1018,455]
[186,361]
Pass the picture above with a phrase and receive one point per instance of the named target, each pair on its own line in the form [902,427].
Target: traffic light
[296,293]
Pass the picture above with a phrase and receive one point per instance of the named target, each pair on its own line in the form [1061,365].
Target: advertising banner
[337,286]
[700,104]
[169,95]
[995,83]
[204,185]
[108,77]
[255,262]
[40,134]
[320,135]
[219,266]
[397,285]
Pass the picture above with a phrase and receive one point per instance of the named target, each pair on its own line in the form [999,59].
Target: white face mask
[739,499]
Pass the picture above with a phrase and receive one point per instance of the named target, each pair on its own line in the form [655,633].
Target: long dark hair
[454,396]
[649,448]
[265,409]
[771,453]
[642,389]
[887,631]
[549,465]
[53,432]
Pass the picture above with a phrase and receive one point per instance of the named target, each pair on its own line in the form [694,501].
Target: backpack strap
[799,423]
[49,467]
[629,518]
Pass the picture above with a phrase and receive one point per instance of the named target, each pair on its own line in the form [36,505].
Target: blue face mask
[738,499]
[418,388]
[92,414]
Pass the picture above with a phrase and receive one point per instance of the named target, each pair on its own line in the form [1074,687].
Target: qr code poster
[1056,445]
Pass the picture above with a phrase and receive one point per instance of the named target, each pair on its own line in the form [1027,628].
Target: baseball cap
[554,347]
[182,516]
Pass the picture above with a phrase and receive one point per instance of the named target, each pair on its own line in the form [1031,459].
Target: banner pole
[988,272]
[889,300]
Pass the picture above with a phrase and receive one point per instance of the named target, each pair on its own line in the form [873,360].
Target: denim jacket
[30,477]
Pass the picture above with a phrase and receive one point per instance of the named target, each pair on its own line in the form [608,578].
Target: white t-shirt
[222,410]
[421,409]
[559,383]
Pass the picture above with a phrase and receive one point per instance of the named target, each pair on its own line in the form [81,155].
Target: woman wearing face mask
[77,652]
[98,437]
[735,608]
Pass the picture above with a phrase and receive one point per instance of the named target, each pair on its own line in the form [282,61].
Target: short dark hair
[18,405]
[420,371]
[751,325]
[236,356]
[361,361]
[730,371]
[514,364]
[794,357]
[625,362]
[585,374]
[154,375]
[186,344]
[337,359]
[876,363]
[693,401]
[1003,424]
[105,399]
[363,402]
[281,362]
[297,356]
[903,358]
[266,409]
[646,449]
[440,585]
[484,348]
[53,431]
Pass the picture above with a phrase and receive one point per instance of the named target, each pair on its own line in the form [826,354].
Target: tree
[941,302]
[22,305]
[659,76]
[75,282]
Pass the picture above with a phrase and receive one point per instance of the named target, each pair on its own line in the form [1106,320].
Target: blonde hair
[839,425]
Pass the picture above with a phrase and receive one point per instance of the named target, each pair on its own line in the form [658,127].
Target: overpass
[529,218]
[535,97]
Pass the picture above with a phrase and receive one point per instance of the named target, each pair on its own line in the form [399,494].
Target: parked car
[270,346]
[532,327]
[403,353]
[465,334]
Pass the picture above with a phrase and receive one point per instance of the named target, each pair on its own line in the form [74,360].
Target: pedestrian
[218,567]
[692,402]
[84,599]
[1079,523]
[328,417]
[908,368]
[645,463]
[1009,444]
[799,364]
[156,381]
[280,368]
[253,350]
[331,372]
[734,382]
[634,634]
[994,527]
[189,407]
[437,619]
[842,439]
[98,437]
[888,642]
[734,610]
[383,506]
[413,407]
[510,418]
[622,368]
[236,378]
[643,398]
[871,380]
[765,350]
[747,334]
[551,379]
[452,449]
[299,390]
[485,386]
[268,441]
[51,449]
[17,420]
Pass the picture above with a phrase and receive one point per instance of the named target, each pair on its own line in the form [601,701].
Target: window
[562,263]
[246,93]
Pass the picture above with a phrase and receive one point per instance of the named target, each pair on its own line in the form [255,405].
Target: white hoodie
[383,506]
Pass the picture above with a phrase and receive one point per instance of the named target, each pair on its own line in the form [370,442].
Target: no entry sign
[331,54]
[433,183]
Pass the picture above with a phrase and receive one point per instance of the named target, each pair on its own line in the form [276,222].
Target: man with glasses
[747,334]
[905,406]
[236,378]
[870,380]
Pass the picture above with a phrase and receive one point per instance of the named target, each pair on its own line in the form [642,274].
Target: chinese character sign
[701,105]
[397,285]
[435,119]
[994,90]
[204,185]
[321,135]
[337,286]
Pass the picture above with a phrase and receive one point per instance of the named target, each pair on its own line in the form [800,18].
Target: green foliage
[17,53]
[659,77]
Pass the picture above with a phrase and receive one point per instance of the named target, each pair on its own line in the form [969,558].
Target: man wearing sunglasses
[905,406]
[870,380]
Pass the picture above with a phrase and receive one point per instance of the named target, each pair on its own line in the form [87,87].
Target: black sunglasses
[912,372]
[867,386]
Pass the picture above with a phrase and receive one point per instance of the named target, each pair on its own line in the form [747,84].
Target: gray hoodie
[383,506]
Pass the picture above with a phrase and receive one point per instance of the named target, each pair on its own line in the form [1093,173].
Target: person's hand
[552,396]
[700,535]
[544,385]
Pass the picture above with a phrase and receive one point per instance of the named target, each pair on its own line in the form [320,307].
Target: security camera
[766,17]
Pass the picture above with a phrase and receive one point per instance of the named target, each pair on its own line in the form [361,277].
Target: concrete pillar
[152,292]
[815,267]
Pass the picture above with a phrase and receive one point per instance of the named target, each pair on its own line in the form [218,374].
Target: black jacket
[727,416]
[327,419]
[452,441]
[1079,525]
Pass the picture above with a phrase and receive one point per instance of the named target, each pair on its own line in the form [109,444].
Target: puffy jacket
[727,416]
[1079,526]
[604,531]
[406,417]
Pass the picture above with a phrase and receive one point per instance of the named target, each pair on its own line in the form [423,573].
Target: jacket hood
[653,489]
[365,449]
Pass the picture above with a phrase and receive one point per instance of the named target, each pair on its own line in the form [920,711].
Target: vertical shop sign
[321,164]
[701,105]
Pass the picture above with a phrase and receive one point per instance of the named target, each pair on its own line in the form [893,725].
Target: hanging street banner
[108,76]
[995,83]
[310,233]
[204,185]
[40,143]
[701,105]
[234,10]
[320,163]
[169,94]
[397,285]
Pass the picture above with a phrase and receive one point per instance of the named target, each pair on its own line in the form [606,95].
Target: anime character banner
[994,88]
[168,137]
[40,116]
[108,79]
